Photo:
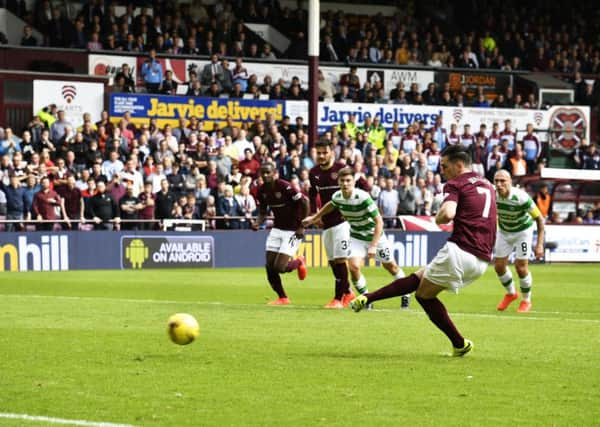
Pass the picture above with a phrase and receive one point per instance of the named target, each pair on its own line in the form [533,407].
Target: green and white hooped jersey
[515,212]
[359,210]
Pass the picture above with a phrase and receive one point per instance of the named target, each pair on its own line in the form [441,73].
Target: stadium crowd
[487,34]
[104,172]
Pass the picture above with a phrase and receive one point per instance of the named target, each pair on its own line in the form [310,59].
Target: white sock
[507,281]
[525,283]
[360,285]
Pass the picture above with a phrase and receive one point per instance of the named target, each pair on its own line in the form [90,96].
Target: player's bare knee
[354,268]
[522,267]
[500,265]
[391,267]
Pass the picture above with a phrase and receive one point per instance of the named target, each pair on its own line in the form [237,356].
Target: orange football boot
[508,298]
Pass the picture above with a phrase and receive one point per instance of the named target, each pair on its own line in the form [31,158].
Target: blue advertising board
[150,250]
[169,109]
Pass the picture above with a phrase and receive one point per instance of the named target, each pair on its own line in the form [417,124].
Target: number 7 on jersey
[488,197]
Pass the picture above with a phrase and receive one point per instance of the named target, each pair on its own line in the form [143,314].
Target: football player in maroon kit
[469,201]
[289,206]
[336,231]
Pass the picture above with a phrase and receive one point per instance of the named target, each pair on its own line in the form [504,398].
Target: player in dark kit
[289,206]
[470,201]
[336,231]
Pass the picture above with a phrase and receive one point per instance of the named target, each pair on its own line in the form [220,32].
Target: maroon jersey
[285,202]
[475,221]
[325,183]
[72,198]
[148,211]
[44,204]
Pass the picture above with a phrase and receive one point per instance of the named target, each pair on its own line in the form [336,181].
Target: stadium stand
[210,174]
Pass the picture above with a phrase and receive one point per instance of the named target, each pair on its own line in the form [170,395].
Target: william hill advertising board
[147,252]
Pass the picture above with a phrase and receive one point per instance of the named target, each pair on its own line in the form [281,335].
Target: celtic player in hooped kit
[516,213]
[469,201]
[336,230]
[289,206]
[366,225]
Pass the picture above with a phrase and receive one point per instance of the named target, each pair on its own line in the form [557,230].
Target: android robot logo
[136,253]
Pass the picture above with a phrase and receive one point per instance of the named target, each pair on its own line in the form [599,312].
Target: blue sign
[169,109]
[75,250]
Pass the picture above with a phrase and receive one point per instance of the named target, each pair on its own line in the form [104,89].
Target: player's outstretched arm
[539,247]
[313,219]
[376,236]
[305,211]
[446,213]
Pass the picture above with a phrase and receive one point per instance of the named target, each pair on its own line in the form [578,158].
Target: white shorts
[519,242]
[337,241]
[283,242]
[453,268]
[359,248]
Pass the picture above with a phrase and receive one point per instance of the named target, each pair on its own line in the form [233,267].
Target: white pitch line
[64,421]
[533,316]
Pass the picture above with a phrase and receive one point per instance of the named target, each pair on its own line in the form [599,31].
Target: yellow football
[183,328]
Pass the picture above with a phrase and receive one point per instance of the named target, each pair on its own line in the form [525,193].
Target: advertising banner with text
[103,65]
[574,243]
[279,70]
[110,65]
[156,250]
[213,111]
[492,83]
[564,126]
[74,98]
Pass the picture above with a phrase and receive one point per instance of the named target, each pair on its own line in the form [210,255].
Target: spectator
[146,213]
[229,207]
[247,205]
[28,38]
[591,158]
[240,75]
[46,205]
[406,197]
[267,52]
[103,209]
[210,212]
[112,165]
[518,165]
[423,198]
[165,201]
[15,200]
[168,85]
[73,203]
[57,130]
[130,207]
[212,73]
[543,200]
[388,202]
[152,72]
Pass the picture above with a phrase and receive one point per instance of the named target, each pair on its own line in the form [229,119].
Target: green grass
[93,346]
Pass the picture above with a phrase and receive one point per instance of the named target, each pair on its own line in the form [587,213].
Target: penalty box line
[536,314]
[63,421]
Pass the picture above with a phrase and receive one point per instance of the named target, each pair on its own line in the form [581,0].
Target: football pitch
[92,347]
